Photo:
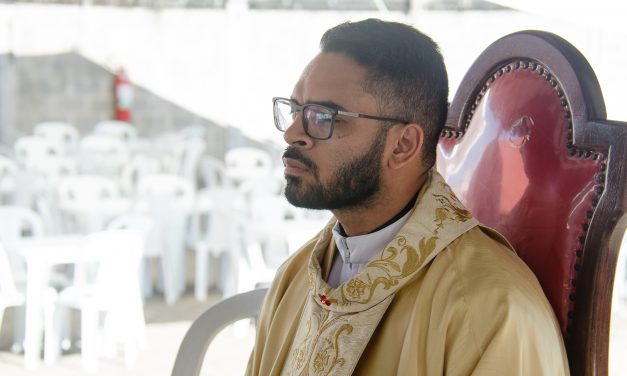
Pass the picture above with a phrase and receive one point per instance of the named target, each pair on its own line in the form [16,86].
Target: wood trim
[588,346]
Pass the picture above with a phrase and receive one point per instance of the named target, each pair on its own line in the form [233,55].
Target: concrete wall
[68,87]
[61,87]
[7,98]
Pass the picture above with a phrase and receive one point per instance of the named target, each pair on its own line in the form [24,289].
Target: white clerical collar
[362,249]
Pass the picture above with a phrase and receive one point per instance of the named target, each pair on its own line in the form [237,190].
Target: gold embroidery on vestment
[338,322]
[327,351]
[356,287]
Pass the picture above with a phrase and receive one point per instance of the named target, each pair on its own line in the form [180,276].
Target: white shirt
[355,252]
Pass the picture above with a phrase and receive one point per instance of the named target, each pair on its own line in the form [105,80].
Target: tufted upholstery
[528,150]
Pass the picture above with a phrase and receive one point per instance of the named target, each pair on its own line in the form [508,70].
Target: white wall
[227,65]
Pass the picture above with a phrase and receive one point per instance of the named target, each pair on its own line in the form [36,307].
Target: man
[403,281]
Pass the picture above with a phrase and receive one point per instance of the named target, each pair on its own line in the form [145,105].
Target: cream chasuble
[407,313]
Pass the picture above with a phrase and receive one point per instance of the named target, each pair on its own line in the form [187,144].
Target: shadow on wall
[68,87]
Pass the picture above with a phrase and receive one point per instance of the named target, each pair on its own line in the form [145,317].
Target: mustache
[293,153]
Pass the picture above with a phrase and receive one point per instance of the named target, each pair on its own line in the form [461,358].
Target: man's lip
[292,166]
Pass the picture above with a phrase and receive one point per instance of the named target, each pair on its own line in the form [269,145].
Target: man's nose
[295,133]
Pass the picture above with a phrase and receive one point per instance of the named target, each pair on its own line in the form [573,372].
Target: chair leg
[134,332]
[53,318]
[139,331]
[241,280]
[111,330]
[230,274]
[65,328]
[169,283]
[202,266]
[147,289]
[248,274]
[89,338]
[130,350]
[18,329]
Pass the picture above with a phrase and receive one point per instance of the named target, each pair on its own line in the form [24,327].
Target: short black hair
[406,72]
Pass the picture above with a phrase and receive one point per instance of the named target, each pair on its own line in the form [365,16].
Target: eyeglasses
[318,120]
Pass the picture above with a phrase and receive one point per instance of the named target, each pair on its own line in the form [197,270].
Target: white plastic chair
[246,163]
[17,223]
[153,243]
[39,190]
[203,330]
[87,188]
[102,154]
[9,294]
[8,170]
[213,172]
[166,185]
[271,222]
[137,168]
[222,237]
[31,150]
[64,134]
[52,170]
[251,172]
[113,290]
[271,230]
[21,181]
[7,166]
[187,154]
[121,130]
[87,202]
[169,198]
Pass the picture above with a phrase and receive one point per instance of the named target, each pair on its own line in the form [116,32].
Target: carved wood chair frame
[590,135]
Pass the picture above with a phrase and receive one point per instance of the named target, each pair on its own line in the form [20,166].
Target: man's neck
[380,211]
[390,221]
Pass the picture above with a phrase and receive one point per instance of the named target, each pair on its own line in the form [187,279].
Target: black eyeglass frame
[334,112]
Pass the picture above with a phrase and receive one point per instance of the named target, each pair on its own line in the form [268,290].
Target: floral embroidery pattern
[299,358]
[451,208]
[320,361]
[355,288]
[392,270]
[327,356]
[327,349]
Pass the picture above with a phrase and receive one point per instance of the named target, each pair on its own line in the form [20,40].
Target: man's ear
[407,141]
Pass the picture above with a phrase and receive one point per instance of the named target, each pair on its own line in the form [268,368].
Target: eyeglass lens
[284,115]
[317,120]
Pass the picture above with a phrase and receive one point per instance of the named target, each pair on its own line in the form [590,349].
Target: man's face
[344,171]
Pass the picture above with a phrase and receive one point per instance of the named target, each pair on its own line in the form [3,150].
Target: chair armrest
[198,337]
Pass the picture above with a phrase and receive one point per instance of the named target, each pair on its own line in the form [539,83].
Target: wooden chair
[529,151]
[198,337]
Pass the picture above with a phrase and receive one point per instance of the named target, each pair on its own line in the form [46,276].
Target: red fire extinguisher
[123,96]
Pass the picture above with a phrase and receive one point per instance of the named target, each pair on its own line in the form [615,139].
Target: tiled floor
[227,355]
[166,326]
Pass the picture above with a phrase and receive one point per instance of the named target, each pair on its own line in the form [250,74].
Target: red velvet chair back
[528,151]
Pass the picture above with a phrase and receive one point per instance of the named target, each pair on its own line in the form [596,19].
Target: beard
[353,184]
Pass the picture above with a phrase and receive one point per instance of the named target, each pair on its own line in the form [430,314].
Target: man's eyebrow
[329,104]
